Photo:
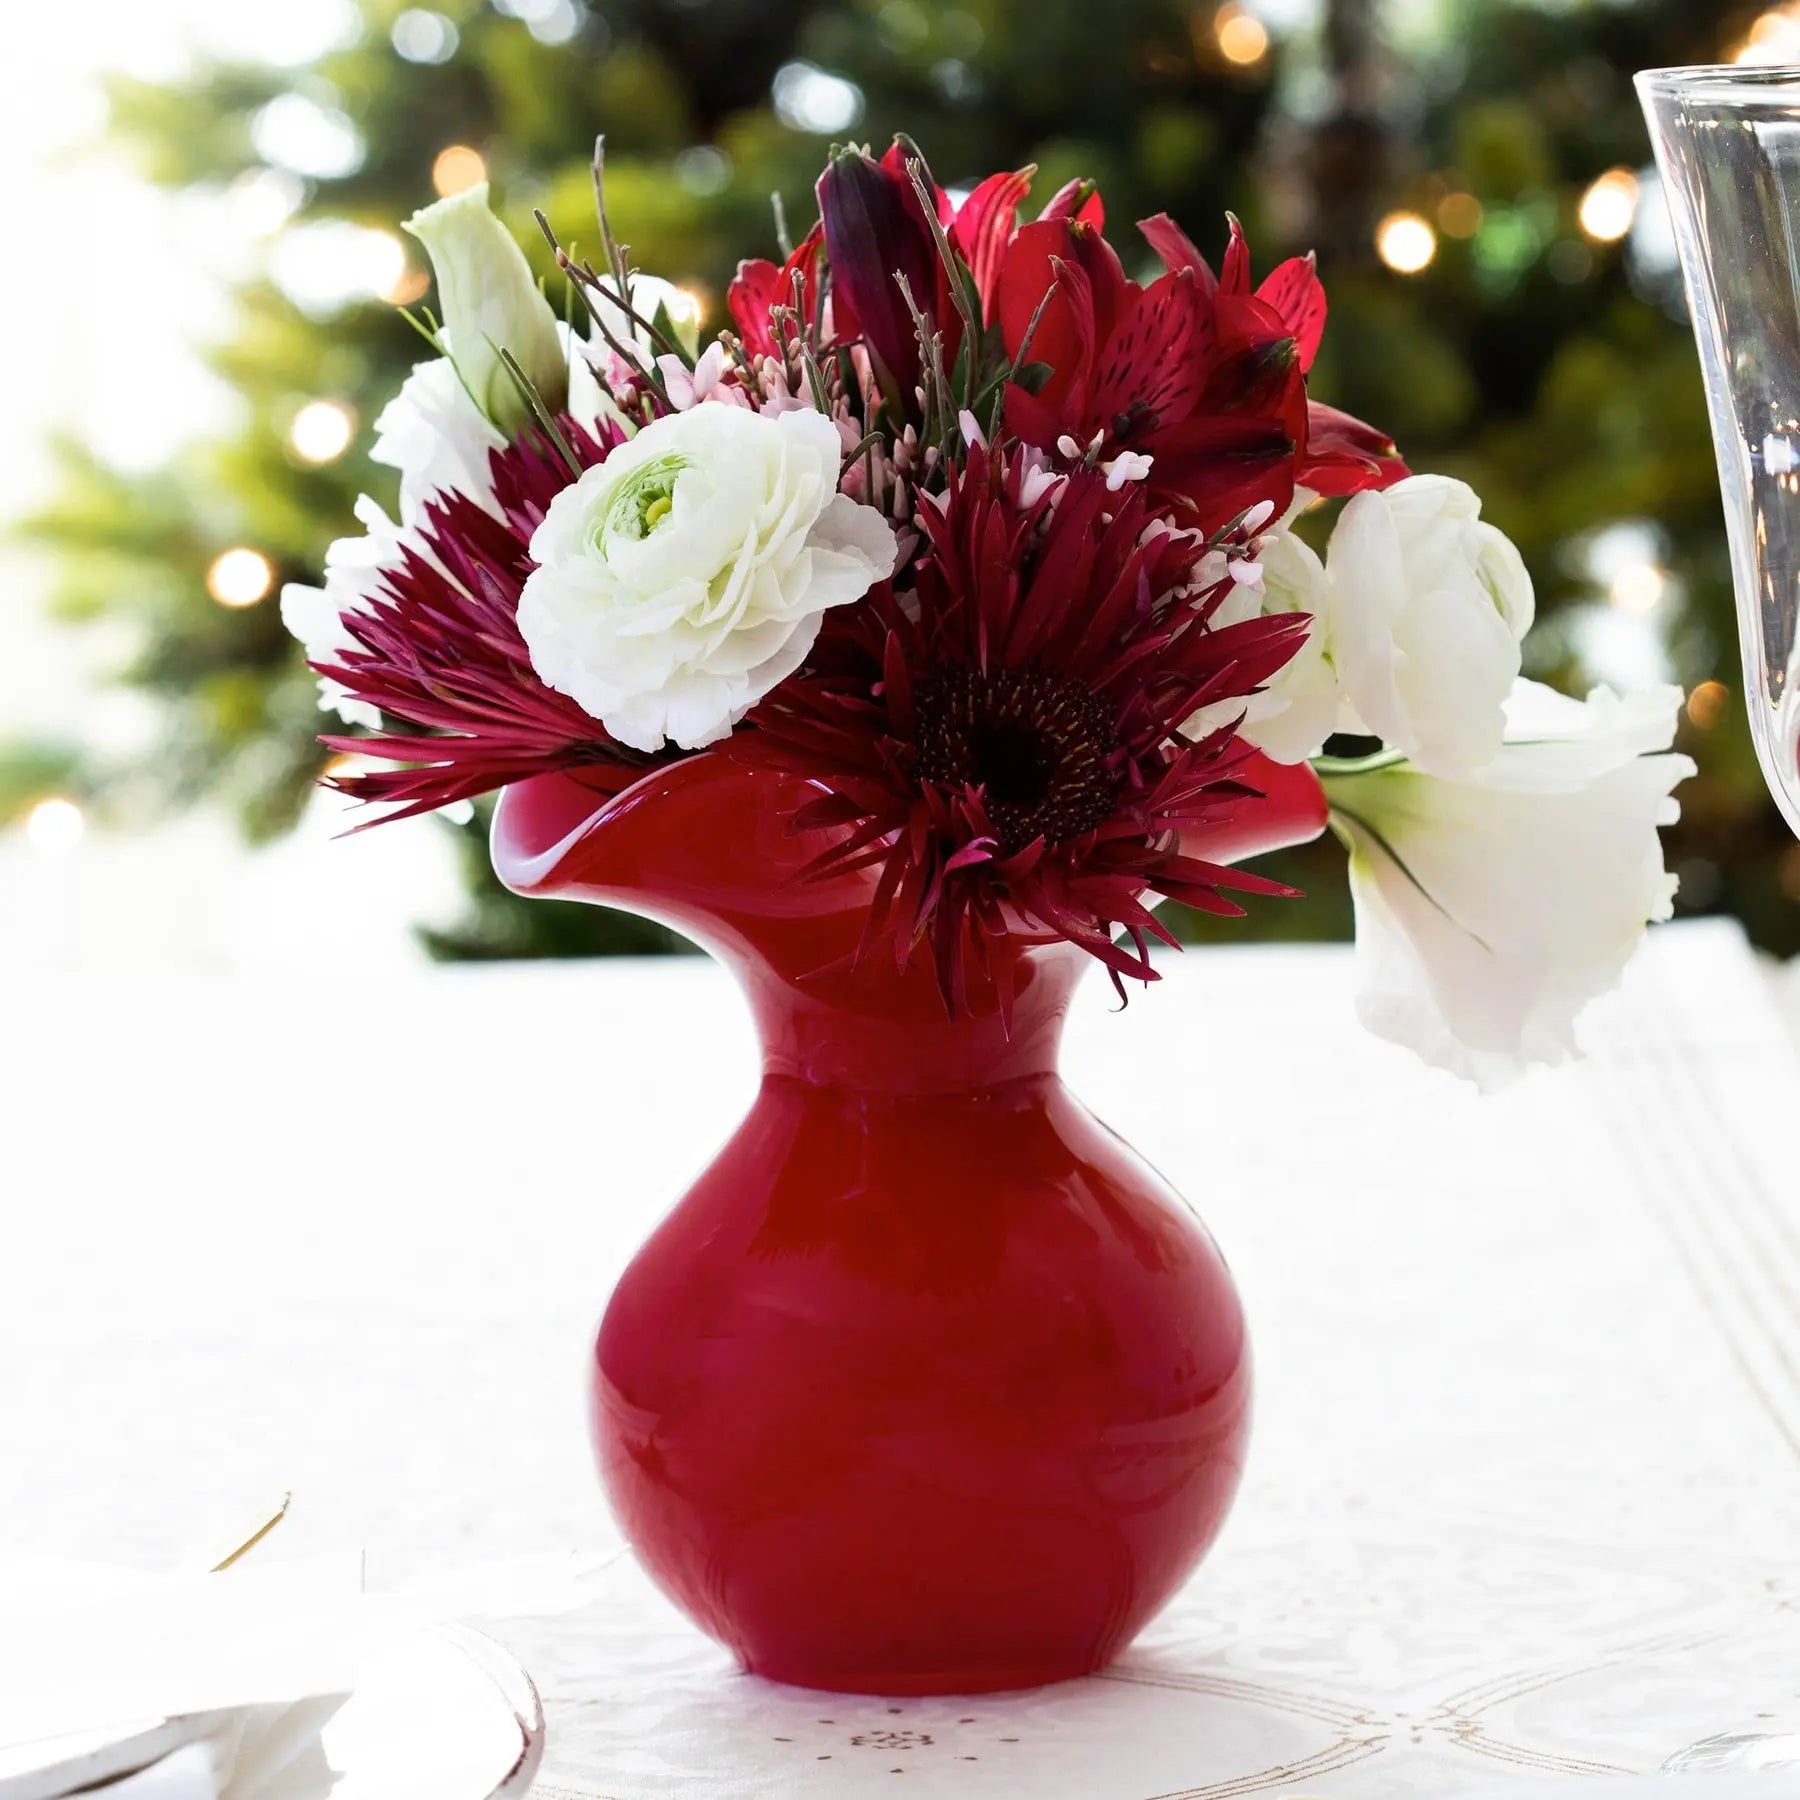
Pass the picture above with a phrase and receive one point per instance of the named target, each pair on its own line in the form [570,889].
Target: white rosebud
[1427,608]
[490,303]
[354,567]
[687,575]
[1490,910]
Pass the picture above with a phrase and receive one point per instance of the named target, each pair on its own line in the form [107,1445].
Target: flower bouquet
[907,643]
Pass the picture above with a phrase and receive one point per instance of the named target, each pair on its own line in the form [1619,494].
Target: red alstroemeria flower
[1335,454]
[1005,747]
[1197,371]
[760,287]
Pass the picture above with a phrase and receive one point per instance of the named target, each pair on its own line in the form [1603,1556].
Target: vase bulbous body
[928,1384]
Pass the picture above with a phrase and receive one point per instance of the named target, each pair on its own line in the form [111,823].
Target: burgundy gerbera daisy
[1005,744]
[440,649]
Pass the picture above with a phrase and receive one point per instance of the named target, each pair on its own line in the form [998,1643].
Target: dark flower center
[1039,745]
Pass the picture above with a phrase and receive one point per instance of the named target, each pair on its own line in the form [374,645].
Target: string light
[240,577]
[54,826]
[1609,206]
[322,431]
[1638,587]
[456,169]
[1405,242]
[1707,703]
[1242,37]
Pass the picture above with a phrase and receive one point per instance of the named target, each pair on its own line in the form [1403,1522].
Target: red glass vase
[929,1384]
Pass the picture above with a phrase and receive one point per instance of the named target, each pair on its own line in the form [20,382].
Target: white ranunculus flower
[490,302]
[1490,910]
[1427,607]
[354,567]
[684,577]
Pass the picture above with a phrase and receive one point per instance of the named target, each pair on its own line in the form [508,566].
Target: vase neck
[706,846]
[885,1031]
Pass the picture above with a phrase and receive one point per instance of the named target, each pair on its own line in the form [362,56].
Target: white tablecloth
[1525,1491]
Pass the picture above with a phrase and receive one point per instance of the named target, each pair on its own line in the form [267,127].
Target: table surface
[1524,1496]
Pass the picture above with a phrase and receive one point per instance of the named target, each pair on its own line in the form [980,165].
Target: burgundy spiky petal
[440,651]
[1004,745]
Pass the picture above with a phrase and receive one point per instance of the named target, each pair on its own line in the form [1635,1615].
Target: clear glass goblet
[1728,143]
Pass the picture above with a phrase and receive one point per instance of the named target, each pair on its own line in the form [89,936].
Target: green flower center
[644,499]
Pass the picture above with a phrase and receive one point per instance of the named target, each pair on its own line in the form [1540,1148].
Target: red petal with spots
[1295,292]
[1218,468]
[984,226]
[1150,371]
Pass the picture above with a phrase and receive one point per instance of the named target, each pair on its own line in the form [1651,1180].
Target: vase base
[911,1684]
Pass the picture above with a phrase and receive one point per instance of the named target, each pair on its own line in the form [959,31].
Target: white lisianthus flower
[654,302]
[491,303]
[1427,607]
[687,575]
[354,567]
[1491,910]
[440,440]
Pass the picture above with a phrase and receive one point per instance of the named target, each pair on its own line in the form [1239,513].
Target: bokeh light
[1774,39]
[1459,215]
[1405,242]
[1638,587]
[1242,37]
[326,264]
[322,431]
[1609,206]
[299,134]
[1707,704]
[457,169]
[424,37]
[240,577]
[808,98]
[54,826]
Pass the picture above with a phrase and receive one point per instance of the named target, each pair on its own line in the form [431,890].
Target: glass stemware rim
[1723,81]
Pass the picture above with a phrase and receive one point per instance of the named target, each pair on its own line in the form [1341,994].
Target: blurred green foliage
[1553,371]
